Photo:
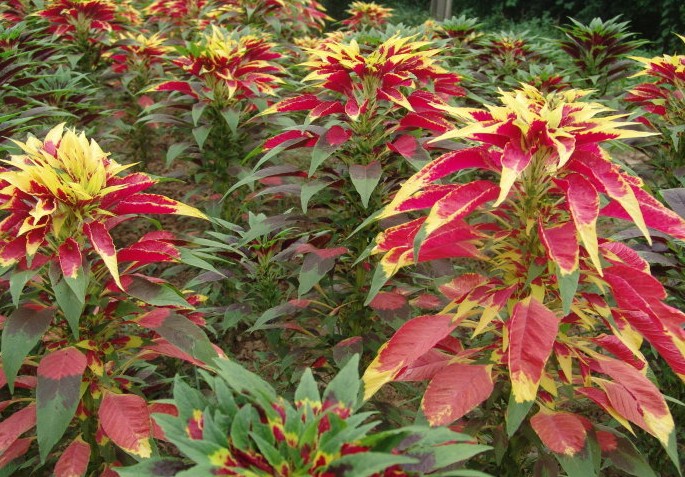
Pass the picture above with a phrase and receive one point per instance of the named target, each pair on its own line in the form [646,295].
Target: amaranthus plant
[556,315]
[366,15]
[599,51]
[245,428]
[375,106]
[83,320]
[286,18]
[663,98]
[84,25]
[228,78]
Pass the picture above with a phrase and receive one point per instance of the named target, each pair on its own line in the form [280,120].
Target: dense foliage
[487,223]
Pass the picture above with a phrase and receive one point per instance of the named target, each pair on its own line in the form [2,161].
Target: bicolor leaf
[561,245]
[365,178]
[57,395]
[413,339]
[13,426]
[22,331]
[70,258]
[104,246]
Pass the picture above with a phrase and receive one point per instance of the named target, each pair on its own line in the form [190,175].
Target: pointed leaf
[126,420]
[57,395]
[413,339]
[561,245]
[104,246]
[70,258]
[365,179]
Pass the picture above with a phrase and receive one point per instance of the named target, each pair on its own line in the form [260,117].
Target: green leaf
[201,133]
[365,179]
[307,390]
[174,151]
[70,304]
[156,467]
[22,331]
[307,191]
[57,395]
[583,464]
[232,118]
[366,463]
[344,388]
[17,282]
[243,381]
[568,285]
[516,413]
[625,456]
[197,111]
[156,294]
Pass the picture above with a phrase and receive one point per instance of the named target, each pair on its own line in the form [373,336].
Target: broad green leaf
[317,263]
[156,294]
[197,111]
[23,329]
[57,395]
[344,388]
[622,452]
[568,285]
[17,282]
[307,390]
[201,133]
[366,464]
[174,151]
[232,118]
[365,179]
[69,303]
[308,190]
[584,464]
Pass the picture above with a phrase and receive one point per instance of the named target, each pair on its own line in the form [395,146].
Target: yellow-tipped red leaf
[583,202]
[561,432]
[532,331]
[103,245]
[454,391]
[413,339]
[126,420]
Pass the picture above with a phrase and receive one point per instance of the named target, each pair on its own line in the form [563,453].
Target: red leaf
[70,259]
[292,138]
[583,202]
[388,301]
[454,391]
[15,425]
[561,432]
[126,420]
[104,246]
[64,363]
[337,135]
[561,245]
[425,367]
[326,108]
[180,86]
[410,342]
[461,286]
[532,331]
[74,460]
[18,448]
[299,103]
[514,162]
[160,408]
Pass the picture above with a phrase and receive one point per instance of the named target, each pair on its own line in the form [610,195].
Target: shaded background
[655,20]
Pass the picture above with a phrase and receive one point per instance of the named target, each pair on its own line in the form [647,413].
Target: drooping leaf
[410,341]
[156,294]
[532,331]
[317,263]
[454,391]
[57,395]
[126,420]
[365,178]
[22,330]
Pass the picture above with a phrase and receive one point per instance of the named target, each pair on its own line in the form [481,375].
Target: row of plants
[437,204]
